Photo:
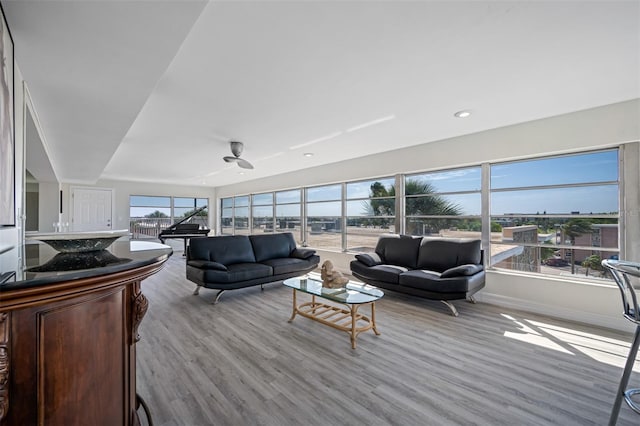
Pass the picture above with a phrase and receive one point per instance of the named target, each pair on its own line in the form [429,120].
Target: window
[241,215]
[324,217]
[262,213]
[370,212]
[556,215]
[148,215]
[551,215]
[226,216]
[289,214]
[184,207]
[444,204]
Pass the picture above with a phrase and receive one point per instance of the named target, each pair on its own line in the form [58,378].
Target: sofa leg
[261,287]
[197,290]
[471,299]
[452,308]
[217,298]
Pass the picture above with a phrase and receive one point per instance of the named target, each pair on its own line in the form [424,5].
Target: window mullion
[400,204]
[485,211]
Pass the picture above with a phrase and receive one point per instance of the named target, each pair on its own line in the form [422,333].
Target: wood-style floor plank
[241,363]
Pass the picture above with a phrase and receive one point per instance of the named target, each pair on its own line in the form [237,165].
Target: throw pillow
[461,271]
[205,264]
[301,253]
[369,259]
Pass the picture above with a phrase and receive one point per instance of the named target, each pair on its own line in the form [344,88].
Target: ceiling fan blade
[244,164]
[229,159]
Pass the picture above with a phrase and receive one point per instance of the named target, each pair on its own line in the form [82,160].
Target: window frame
[485,192]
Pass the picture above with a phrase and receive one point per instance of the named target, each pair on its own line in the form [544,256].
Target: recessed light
[240,173]
[308,154]
[462,114]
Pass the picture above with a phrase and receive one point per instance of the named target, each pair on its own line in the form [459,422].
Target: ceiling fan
[236,150]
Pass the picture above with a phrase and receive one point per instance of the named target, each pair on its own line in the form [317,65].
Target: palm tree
[428,204]
[574,228]
[594,262]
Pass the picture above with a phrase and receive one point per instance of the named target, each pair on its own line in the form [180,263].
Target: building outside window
[370,212]
[556,215]
[324,217]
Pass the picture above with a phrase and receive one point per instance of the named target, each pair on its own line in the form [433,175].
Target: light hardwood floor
[241,363]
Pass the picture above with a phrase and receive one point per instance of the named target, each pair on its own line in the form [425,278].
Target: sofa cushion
[369,259]
[287,265]
[442,254]
[470,252]
[272,246]
[399,250]
[432,281]
[226,250]
[205,264]
[462,271]
[238,272]
[302,253]
[386,273]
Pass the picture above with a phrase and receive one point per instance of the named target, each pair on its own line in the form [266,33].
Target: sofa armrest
[462,271]
[301,253]
[369,259]
[205,264]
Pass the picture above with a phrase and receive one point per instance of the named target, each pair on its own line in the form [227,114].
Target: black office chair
[624,274]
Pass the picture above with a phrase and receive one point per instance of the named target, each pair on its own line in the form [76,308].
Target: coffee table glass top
[351,293]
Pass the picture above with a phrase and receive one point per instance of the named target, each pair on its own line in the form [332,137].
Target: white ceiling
[154,90]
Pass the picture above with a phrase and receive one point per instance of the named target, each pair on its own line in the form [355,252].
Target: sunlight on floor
[571,341]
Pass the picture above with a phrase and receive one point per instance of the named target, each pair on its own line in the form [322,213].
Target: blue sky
[592,180]
[141,205]
[592,167]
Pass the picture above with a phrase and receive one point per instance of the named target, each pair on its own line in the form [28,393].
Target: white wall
[589,129]
[48,205]
[595,128]
[123,189]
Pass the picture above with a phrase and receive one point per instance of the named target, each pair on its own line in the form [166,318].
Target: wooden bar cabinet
[68,340]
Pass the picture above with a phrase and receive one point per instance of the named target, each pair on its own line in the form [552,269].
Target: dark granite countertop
[43,265]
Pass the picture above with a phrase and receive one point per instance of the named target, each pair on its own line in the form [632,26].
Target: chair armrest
[205,264]
[301,253]
[369,259]
[462,271]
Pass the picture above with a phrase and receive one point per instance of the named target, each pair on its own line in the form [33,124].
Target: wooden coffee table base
[348,320]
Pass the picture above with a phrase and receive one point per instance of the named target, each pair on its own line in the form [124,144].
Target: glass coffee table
[346,317]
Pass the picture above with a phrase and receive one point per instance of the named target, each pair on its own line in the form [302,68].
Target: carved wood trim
[140,306]
[4,364]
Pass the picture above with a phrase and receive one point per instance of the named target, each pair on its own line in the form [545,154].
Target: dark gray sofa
[232,262]
[433,268]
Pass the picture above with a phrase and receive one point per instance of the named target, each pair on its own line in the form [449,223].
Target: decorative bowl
[81,260]
[78,242]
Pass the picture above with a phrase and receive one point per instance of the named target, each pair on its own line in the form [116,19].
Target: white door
[91,209]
